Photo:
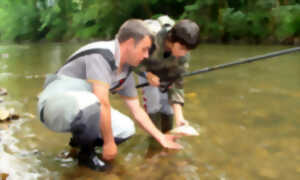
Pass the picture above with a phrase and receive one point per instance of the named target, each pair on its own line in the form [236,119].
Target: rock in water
[4,115]
[3,92]
[185,130]
[7,115]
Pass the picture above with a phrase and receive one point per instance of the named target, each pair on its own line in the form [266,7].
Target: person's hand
[168,142]
[181,122]
[110,151]
[153,79]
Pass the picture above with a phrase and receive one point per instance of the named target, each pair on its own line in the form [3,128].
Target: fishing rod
[234,63]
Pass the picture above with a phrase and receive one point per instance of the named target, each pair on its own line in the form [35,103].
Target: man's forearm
[145,122]
[105,123]
[178,114]
[139,114]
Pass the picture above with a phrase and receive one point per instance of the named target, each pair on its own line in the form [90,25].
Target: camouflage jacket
[166,66]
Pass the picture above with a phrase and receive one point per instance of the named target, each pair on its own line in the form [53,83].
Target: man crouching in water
[76,98]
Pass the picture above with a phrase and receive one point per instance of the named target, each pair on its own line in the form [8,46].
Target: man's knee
[89,133]
[85,127]
[59,111]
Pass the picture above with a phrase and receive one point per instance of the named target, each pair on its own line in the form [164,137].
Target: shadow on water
[247,117]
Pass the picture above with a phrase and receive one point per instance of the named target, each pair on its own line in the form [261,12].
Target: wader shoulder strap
[108,56]
[122,81]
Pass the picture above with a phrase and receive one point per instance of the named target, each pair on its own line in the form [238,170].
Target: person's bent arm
[178,114]
[101,90]
[176,99]
[139,114]
[153,79]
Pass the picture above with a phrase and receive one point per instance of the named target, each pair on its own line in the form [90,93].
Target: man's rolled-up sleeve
[176,92]
[98,69]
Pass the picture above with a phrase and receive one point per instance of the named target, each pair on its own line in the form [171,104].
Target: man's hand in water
[110,151]
[142,118]
[181,122]
[168,141]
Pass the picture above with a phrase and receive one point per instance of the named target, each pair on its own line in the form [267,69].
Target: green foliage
[234,22]
[287,21]
[81,19]
[258,23]
[18,19]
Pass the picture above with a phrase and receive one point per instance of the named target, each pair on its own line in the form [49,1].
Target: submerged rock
[4,114]
[72,153]
[3,92]
[7,115]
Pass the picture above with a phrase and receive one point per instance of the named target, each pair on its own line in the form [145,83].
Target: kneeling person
[76,98]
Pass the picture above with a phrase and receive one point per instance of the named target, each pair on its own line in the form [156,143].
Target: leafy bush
[287,21]
[18,19]
[81,19]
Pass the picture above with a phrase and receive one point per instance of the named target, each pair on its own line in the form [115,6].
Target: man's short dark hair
[186,32]
[133,28]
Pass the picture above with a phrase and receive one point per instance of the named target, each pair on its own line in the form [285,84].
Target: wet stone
[3,92]
[72,153]
[7,115]
[4,114]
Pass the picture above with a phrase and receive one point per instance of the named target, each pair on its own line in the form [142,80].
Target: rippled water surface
[247,116]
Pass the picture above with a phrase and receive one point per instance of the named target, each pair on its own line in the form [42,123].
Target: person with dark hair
[168,60]
[76,98]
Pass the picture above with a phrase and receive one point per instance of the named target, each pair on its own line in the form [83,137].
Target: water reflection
[247,117]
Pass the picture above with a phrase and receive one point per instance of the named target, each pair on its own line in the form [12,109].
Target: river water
[247,117]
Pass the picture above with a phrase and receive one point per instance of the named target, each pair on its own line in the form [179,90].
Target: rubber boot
[156,119]
[73,143]
[166,122]
[88,157]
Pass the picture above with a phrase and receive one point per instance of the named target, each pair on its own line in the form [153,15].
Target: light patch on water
[190,172]
[18,163]
[34,76]
[13,46]
[5,75]
[254,90]
[3,67]
[4,55]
